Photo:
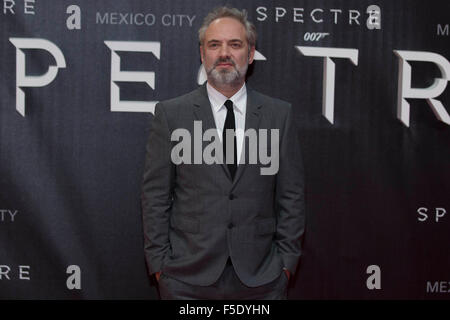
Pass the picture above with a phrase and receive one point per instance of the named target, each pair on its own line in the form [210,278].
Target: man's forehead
[226,27]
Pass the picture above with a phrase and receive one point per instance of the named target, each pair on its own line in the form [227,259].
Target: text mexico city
[213,152]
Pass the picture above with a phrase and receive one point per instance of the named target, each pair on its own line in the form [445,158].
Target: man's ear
[251,54]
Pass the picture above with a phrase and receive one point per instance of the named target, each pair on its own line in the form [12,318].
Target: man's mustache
[227,60]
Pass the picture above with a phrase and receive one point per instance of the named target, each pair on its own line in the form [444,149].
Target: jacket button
[230,225]
[231,196]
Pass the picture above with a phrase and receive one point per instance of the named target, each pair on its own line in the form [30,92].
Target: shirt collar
[217,99]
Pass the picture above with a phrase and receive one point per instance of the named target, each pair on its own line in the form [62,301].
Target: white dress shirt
[219,111]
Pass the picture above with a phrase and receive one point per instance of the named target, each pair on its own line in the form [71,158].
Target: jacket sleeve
[289,197]
[157,189]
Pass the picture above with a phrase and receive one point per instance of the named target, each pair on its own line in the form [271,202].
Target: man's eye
[213,45]
[236,45]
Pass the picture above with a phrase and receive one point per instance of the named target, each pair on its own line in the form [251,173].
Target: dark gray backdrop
[71,169]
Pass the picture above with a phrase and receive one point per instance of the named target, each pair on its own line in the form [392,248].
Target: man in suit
[223,230]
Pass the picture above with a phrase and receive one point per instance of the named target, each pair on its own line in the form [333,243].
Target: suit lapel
[203,113]
[202,109]
[252,119]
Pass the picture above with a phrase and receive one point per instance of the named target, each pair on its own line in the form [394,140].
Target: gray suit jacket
[195,216]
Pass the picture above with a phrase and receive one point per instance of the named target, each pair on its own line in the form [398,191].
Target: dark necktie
[230,124]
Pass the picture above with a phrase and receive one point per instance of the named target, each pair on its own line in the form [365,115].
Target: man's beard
[224,76]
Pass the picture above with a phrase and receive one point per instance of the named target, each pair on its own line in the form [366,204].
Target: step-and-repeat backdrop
[368,81]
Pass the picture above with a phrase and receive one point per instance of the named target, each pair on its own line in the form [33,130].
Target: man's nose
[224,51]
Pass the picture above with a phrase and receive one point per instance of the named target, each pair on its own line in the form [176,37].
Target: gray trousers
[227,287]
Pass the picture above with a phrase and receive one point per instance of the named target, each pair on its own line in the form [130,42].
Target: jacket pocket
[266,226]
[190,225]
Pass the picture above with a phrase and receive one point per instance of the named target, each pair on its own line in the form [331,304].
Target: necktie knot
[229,105]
